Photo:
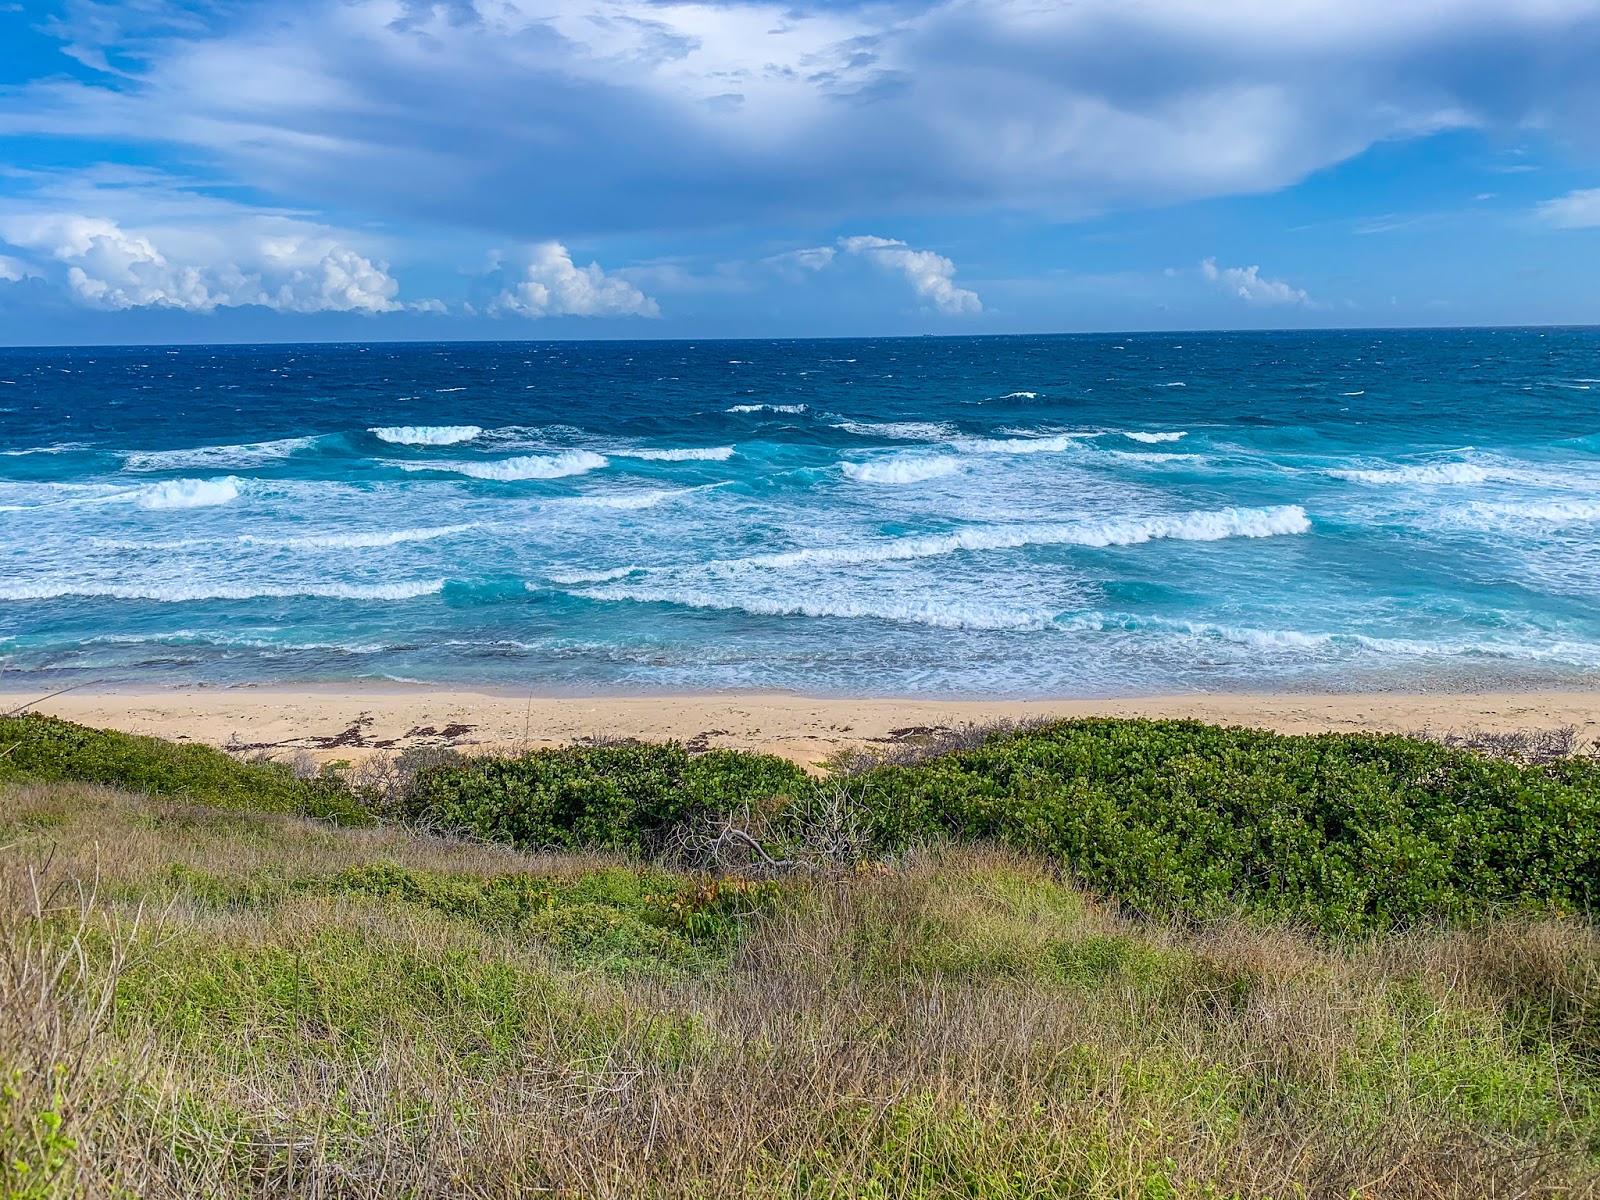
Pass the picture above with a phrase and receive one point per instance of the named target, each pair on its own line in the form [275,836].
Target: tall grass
[205,1002]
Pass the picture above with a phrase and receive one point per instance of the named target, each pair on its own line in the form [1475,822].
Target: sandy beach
[351,722]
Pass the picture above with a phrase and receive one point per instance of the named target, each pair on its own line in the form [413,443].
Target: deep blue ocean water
[1030,516]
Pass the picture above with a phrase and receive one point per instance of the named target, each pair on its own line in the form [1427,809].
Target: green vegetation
[624,796]
[1346,833]
[47,748]
[1097,960]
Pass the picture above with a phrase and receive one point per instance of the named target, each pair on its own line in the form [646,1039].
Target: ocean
[1018,516]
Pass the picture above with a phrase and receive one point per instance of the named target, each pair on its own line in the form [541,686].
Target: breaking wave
[1429,474]
[902,469]
[777,408]
[695,454]
[189,493]
[247,455]
[427,435]
[904,431]
[243,591]
[1017,445]
[529,466]
[1140,435]
[939,614]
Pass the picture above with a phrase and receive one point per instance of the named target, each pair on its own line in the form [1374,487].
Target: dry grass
[961,1024]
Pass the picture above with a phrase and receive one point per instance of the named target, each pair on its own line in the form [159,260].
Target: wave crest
[687,454]
[177,594]
[189,493]
[902,469]
[529,466]
[426,435]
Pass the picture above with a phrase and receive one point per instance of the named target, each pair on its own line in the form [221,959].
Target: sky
[191,171]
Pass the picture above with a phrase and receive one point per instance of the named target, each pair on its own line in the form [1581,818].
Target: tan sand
[352,722]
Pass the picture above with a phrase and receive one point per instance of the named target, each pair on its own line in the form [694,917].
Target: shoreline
[337,721]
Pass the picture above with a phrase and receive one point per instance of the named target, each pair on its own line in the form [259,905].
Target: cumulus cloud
[273,264]
[930,275]
[543,281]
[719,110]
[1575,210]
[1247,284]
[11,270]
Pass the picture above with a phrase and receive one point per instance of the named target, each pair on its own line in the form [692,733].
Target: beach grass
[204,997]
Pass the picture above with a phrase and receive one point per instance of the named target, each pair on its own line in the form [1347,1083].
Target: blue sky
[237,170]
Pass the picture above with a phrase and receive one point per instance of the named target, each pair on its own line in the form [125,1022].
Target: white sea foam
[573,578]
[777,408]
[1017,445]
[355,541]
[59,448]
[622,500]
[1427,474]
[529,466]
[189,493]
[1140,435]
[1019,396]
[902,468]
[904,431]
[1556,512]
[427,435]
[940,614]
[246,455]
[178,593]
[690,454]
[1200,526]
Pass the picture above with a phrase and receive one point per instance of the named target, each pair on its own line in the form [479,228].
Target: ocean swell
[426,435]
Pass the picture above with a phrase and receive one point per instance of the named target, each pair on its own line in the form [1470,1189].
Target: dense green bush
[1345,832]
[621,796]
[52,750]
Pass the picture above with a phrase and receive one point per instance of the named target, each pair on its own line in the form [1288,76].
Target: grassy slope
[304,1009]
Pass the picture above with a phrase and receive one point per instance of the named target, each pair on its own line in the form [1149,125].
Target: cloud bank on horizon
[640,166]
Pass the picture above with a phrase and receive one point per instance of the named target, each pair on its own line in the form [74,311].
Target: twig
[23,707]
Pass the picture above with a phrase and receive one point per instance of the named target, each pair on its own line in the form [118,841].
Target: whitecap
[179,593]
[245,455]
[1428,474]
[1017,445]
[1019,396]
[189,493]
[572,578]
[685,454]
[354,541]
[426,435]
[904,431]
[1140,435]
[1199,526]
[902,468]
[530,466]
[777,408]
[939,614]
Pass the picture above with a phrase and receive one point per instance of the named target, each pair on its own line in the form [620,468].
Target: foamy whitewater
[1019,516]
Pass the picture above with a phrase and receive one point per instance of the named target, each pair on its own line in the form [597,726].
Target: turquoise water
[1027,516]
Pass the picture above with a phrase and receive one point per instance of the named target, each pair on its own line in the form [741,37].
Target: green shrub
[49,749]
[620,797]
[1344,832]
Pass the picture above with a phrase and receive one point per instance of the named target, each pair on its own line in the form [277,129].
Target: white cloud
[278,264]
[930,274]
[813,258]
[546,283]
[12,270]
[699,112]
[1247,284]
[1575,210]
